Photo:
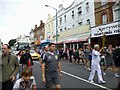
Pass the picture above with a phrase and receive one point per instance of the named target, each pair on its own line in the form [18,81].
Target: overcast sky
[17,17]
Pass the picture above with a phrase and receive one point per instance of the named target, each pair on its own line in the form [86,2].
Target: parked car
[35,55]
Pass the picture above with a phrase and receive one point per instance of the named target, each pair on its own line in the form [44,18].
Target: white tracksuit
[95,66]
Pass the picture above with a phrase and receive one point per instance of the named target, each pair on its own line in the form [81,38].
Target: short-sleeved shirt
[22,85]
[51,61]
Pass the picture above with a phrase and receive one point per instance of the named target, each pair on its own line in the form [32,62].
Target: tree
[12,42]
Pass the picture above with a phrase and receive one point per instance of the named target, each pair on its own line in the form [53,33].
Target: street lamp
[56,22]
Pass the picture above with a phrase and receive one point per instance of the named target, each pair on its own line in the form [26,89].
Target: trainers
[116,75]
[88,69]
[104,73]
[102,82]
[91,81]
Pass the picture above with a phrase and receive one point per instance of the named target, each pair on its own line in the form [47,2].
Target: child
[27,81]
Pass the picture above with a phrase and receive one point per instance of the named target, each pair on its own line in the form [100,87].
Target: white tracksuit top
[95,57]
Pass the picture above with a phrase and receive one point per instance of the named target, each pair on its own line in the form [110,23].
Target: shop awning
[80,40]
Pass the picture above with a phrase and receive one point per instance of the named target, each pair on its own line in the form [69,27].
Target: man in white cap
[95,66]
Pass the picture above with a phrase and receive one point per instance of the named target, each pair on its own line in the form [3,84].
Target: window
[65,18]
[80,23]
[60,30]
[104,18]
[72,14]
[65,28]
[60,21]
[87,7]
[79,11]
[73,25]
[103,2]
[88,21]
[117,14]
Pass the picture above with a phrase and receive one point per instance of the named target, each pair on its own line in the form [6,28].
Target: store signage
[108,29]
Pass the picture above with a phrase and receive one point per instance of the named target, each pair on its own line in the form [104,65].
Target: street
[75,76]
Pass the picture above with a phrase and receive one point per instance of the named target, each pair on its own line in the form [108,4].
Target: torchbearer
[95,66]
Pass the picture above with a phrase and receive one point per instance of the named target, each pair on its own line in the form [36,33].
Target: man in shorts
[51,68]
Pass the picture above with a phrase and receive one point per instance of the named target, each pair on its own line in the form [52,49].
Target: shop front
[111,32]
[74,38]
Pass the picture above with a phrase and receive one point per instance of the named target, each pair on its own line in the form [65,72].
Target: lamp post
[56,22]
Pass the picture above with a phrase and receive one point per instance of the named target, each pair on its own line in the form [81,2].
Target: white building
[23,38]
[49,28]
[31,34]
[73,23]
[80,12]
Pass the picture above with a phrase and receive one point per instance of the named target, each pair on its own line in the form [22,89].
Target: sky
[18,17]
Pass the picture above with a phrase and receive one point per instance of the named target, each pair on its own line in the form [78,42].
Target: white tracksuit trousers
[95,67]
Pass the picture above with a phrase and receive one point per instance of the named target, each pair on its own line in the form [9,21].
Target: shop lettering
[109,27]
[116,31]
[97,34]
[110,32]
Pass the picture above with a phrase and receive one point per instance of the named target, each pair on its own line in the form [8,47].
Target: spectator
[26,82]
[70,54]
[26,58]
[0,70]
[10,67]
[61,53]
[20,69]
[86,57]
[116,56]
[42,54]
[110,62]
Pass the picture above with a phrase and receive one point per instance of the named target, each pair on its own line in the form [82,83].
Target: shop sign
[109,29]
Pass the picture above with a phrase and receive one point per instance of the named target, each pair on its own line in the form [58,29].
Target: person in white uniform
[95,66]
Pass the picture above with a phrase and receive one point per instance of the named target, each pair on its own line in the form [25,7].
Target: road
[75,76]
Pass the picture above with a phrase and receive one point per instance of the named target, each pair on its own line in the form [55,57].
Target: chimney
[60,6]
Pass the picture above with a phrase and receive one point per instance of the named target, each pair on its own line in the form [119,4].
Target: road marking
[85,80]
[81,79]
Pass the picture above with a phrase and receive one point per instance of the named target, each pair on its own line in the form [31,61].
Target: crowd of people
[17,72]
[17,69]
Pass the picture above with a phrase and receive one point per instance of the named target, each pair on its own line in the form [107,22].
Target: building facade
[31,34]
[73,23]
[39,33]
[49,28]
[107,29]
